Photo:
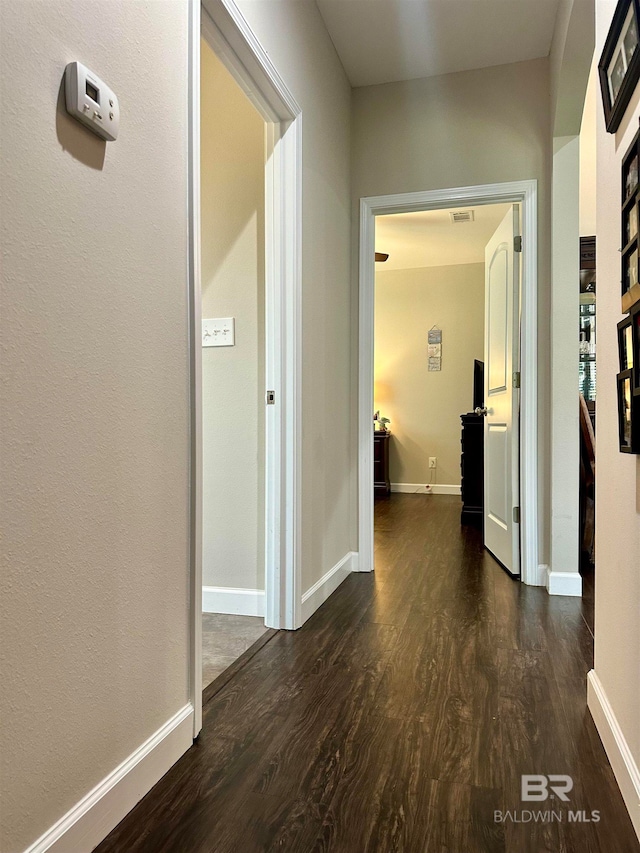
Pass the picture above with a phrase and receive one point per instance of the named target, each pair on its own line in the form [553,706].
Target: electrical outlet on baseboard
[433,462]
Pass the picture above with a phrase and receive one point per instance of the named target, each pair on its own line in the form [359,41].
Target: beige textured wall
[295,37]
[565,426]
[570,60]
[617,634]
[588,155]
[425,407]
[464,129]
[232,205]
[95,428]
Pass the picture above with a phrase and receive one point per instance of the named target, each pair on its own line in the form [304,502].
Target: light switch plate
[219,332]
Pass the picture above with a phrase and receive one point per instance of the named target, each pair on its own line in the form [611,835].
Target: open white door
[501,394]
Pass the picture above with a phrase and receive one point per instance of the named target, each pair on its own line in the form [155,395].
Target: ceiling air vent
[461,216]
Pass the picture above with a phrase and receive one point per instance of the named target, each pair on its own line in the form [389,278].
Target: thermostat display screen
[92,92]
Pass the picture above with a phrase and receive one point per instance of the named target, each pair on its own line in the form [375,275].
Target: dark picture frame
[630,225]
[627,402]
[619,66]
[625,344]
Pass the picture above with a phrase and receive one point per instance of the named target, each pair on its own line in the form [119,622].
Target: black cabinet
[381,482]
[472,466]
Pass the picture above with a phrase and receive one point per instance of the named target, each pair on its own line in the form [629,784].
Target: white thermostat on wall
[91,101]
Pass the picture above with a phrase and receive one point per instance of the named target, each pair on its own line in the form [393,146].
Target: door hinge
[516,378]
[271,398]
[516,514]
[517,244]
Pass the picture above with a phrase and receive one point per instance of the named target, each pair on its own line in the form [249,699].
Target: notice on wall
[434,349]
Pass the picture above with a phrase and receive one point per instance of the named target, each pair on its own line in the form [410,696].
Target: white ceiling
[381,41]
[430,239]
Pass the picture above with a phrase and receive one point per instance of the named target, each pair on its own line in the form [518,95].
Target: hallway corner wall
[614,696]
[95,406]
[564,463]
[570,61]
[296,39]
[588,154]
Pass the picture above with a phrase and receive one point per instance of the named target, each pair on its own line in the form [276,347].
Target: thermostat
[91,101]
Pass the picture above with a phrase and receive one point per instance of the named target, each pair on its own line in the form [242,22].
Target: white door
[501,394]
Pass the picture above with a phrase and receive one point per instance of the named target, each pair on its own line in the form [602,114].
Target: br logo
[537,787]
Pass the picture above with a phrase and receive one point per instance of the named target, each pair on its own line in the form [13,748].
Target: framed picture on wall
[631,222]
[626,399]
[619,66]
[625,344]
[630,238]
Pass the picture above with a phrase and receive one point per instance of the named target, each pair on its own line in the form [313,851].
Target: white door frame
[525,193]
[221,23]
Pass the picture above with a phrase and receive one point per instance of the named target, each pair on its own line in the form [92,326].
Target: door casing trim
[526,194]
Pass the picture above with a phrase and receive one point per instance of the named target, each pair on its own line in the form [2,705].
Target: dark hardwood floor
[399,718]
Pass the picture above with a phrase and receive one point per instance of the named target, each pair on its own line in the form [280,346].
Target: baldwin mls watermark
[539,789]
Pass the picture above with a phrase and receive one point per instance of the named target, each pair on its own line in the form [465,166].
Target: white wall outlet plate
[219,332]
[433,462]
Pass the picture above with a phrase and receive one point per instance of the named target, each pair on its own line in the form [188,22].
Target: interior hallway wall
[425,407]
[473,127]
[570,61]
[588,132]
[617,579]
[95,402]
[232,256]
[297,41]
[564,559]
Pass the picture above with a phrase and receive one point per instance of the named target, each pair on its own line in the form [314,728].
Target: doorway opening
[446,306]
[509,436]
[232,243]
[244,251]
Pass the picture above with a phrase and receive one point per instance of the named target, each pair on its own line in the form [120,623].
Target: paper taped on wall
[434,349]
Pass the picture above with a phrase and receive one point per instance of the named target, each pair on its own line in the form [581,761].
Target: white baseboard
[328,583]
[102,809]
[240,602]
[423,489]
[615,745]
[564,583]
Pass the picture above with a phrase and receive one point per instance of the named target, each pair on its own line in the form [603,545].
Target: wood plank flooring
[399,718]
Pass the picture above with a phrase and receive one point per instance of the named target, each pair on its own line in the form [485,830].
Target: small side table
[381,481]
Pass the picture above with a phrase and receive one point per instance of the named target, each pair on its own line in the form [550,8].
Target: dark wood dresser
[381,482]
[472,469]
